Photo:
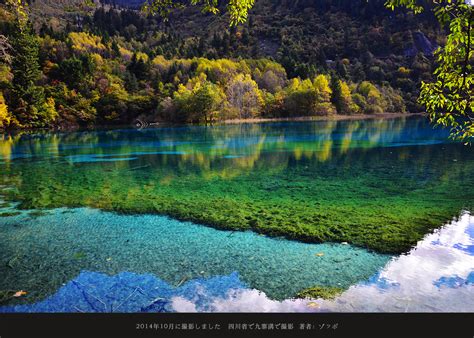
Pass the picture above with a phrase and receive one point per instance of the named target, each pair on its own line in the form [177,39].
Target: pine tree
[341,97]
[336,97]
[28,103]
[27,97]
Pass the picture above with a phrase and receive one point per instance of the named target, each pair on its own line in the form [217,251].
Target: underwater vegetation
[39,254]
[378,184]
[323,292]
[9,214]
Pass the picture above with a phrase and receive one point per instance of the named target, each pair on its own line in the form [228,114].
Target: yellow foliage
[294,85]
[125,53]
[5,74]
[347,105]
[197,81]
[97,59]
[49,109]
[404,71]
[85,42]
[142,56]
[321,85]
[221,70]
[118,91]
[5,117]
[345,91]
[369,90]
[161,61]
[162,64]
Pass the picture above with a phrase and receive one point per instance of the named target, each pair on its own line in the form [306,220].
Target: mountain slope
[104,63]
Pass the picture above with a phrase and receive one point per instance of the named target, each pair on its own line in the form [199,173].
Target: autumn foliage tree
[107,72]
[244,96]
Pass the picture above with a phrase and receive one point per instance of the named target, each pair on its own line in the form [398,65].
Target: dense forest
[84,63]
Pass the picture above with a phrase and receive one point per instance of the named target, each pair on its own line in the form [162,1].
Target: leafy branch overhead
[237,9]
[450,99]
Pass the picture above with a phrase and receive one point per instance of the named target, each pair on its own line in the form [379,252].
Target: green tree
[342,98]
[299,98]
[197,102]
[371,100]
[73,70]
[138,67]
[450,99]
[207,99]
[29,105]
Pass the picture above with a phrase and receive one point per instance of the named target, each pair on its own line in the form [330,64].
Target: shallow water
[435,276]
[40,253]
[89,206]
[381,184]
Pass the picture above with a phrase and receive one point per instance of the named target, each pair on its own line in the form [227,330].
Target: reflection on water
[228,151]
[378,184]
[321,140]
[436,276]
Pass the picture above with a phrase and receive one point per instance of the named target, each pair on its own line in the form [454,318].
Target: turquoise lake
[238,218]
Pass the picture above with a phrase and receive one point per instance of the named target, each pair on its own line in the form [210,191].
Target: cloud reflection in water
[437,275]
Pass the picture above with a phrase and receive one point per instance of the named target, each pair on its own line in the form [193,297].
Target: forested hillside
[84,63]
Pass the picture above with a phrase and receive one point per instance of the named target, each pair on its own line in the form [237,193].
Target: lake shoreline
[335,117]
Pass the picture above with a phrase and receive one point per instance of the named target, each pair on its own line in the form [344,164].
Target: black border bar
[446,325]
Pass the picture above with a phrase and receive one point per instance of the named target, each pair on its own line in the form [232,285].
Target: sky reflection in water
[436,276]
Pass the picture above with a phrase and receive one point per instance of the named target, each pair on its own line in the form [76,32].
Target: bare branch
[5,50]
